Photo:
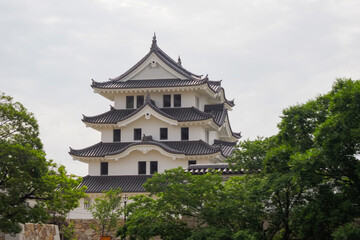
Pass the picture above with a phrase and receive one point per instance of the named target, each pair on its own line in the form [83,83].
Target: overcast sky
[269,54]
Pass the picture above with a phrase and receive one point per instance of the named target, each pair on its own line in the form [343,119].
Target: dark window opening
[167,100]
[163,133]
[104,168]
[129,101]
[142,167]
[137,134]
[192,162]
[139,101]
[117,135]
[177,100]
[185,133]
[153,167]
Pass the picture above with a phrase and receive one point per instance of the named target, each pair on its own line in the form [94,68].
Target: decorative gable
[153,68]
[146,67]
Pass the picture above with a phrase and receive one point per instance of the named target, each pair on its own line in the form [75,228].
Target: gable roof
[217,112]
[176,147]
[176,66]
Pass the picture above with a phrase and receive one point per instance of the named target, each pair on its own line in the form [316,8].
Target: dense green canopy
[302,183]
[32,189]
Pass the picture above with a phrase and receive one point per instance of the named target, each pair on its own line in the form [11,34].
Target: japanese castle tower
[163,117]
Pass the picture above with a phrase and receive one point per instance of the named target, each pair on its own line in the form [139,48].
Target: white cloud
[270,54]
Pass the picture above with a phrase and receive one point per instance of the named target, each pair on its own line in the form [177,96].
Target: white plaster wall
[195,133]
[94,168]
[119,101]
[80,212]
[153,71]
[203,100]
[107,135]
[212,136]
[128,165]
[187,98]
[152,127]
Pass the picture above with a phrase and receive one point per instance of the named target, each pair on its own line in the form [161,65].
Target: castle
[163,117]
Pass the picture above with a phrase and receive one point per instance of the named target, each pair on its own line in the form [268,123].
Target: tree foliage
[311,165]
[106,211]
[302,183]
[30,186]
[219,210]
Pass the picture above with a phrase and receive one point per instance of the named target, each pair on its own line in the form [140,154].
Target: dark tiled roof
[98,184]
[164,57]
[199,169]
[177,147]
[215,85]
[227,148]
[191,79]
[160,83]
[154,83]
[218,111]
[193,147]
[187,114]
[180,114]
[112,116]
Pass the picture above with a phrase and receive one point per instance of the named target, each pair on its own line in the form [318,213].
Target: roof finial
[179,60]
[154,45]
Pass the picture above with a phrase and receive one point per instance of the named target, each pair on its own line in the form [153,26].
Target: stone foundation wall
[33,231]
[83,230]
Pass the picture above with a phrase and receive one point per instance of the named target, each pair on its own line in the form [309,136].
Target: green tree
[220,210]
[106,211]
[65,197]
[310,165]
[302,183]
[28,182]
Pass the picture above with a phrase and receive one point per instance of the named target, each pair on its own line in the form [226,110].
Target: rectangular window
[185,133]
[163,133]
[167,100]
[137,134]
[153,167]
[129,101]
[207,139]
[139,101]
[87,203]
[142,167]
[117,135]
[104,168]
[192,162]
[177,100]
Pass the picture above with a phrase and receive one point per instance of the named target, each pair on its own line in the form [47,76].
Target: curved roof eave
[102,150]
[133,112]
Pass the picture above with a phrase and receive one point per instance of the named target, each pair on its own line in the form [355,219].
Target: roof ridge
[208,145]
[161,54]
[201,112]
